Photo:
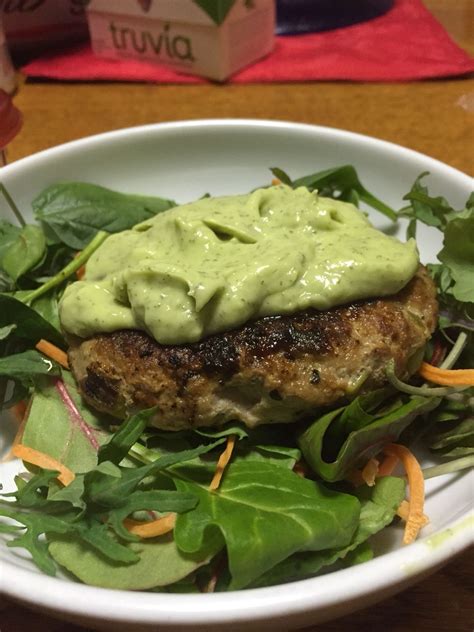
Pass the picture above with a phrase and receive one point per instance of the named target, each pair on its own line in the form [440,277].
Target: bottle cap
[11,120]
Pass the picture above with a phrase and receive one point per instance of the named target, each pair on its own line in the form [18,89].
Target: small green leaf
[159,563]
[8,235]
[7,330]
[458,255]
[74,212]
[25,252]
[26,366]
[30,326]
[128,434]
[265,513]
[356,446]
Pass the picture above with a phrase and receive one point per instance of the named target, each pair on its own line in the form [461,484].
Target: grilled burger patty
[275,369]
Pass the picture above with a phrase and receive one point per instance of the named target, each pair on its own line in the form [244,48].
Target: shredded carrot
[370,472]
[53,352]
[222,462]
[416,484]
[388,465]
[445,377]
[276,182]
[19,433]
[404,509]
[35,457]
[151,528]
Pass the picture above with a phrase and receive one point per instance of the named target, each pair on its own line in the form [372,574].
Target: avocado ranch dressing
[213,264]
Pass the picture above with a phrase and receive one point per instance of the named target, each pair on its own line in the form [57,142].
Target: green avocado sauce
[214,264]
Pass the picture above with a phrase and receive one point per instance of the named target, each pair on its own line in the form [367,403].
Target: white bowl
[183,161]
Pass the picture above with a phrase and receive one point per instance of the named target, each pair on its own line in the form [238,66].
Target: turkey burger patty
[271,370]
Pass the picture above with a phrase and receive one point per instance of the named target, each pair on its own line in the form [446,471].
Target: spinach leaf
[359,444]
[25,252]
[6,330]
[159,563]
[25,367]
[30,326]
[73,212]
[378,508]
[8,235]
[283,512]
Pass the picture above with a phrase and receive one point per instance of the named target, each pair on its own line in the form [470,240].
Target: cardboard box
[212,38]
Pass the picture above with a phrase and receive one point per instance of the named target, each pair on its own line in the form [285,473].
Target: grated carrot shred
[223,462]
[388,465]
[152,528]
[404,509]
[416,484]
[53,352]
[19,433]
[35,457]
[370,472]
[276,182]
[446,377]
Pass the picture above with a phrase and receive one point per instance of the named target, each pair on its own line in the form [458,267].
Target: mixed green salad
[128,506]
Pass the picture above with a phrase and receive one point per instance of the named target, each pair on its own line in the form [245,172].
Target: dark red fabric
[406,43]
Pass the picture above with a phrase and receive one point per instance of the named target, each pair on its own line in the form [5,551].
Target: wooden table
[434,117]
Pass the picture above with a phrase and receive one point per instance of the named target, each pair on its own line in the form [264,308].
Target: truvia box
[212,38]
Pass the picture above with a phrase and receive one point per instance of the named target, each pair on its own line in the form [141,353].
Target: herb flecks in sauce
[216,263]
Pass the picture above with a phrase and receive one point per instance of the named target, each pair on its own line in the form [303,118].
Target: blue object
[305,16]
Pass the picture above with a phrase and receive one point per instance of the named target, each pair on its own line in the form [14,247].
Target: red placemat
[406,43]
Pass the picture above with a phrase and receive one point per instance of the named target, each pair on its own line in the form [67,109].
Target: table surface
[433,117]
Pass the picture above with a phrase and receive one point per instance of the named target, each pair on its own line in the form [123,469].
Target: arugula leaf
[110,491]
[154,500]
[29,539]
[265,513]
[432,211]
[25,252]
[458,255]
[378,508]
[73,212]
[343,183]
[453,275]
[282,176]
[361,443]
[128,434]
